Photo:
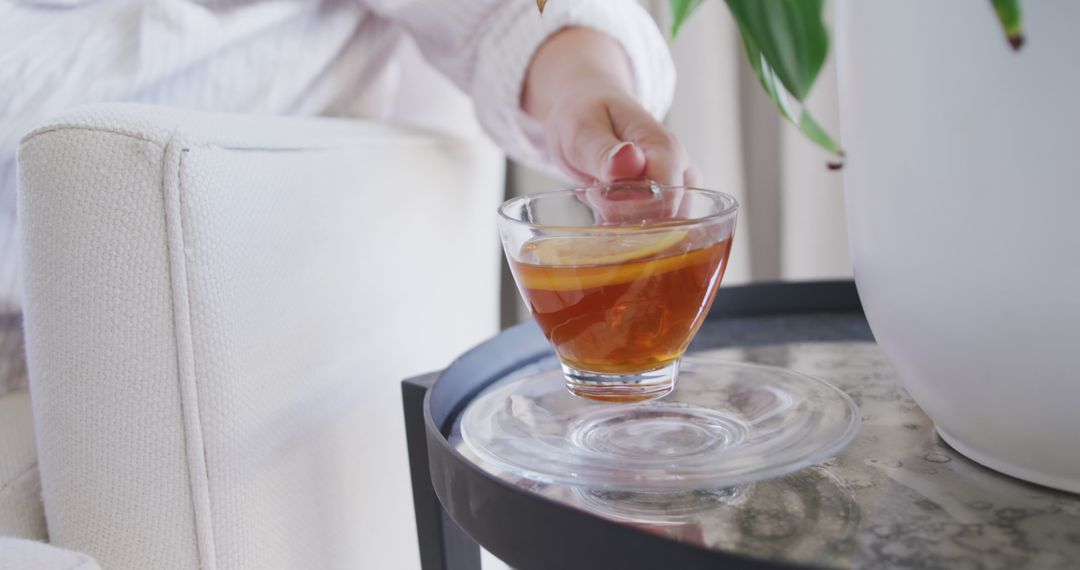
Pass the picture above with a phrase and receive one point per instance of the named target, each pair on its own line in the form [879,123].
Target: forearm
[572,60]
[519,65]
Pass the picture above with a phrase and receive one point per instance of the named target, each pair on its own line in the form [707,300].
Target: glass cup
[619,277]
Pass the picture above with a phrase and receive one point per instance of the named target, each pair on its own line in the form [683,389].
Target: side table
[897,497]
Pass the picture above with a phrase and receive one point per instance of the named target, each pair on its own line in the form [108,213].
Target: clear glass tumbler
[619,277]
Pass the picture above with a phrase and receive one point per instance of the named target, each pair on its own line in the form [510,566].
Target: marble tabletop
[897,497]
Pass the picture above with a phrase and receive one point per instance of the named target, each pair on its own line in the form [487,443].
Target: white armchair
[218,311]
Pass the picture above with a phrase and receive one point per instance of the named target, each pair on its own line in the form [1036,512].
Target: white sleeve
[485,47]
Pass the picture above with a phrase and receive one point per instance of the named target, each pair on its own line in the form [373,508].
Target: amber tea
[622,302]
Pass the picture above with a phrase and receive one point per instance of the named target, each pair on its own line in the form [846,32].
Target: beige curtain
[791,225]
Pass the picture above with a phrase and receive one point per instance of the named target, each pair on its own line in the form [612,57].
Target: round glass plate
[725,424]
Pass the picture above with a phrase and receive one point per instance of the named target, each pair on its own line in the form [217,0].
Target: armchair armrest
[217,309]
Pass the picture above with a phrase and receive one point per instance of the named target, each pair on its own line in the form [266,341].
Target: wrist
[575,62]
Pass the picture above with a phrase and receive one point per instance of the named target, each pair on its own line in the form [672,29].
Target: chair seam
[191,414]
[419,138]
[62,128]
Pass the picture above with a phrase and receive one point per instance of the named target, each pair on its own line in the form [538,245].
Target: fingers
[616,139]
[666,161]
[630,202]
[693,178]
[589,148]
[625,161]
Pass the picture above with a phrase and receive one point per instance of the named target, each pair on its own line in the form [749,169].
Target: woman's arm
[584,60]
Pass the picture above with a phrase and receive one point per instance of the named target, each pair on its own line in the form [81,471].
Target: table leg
[443,545]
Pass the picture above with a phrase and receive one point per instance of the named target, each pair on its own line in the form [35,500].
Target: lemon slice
[604,249]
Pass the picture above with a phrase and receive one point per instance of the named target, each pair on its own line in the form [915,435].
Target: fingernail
[614,151]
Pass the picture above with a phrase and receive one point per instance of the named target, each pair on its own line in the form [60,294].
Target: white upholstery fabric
[12,353]
[21,511]
[218,312]
[16,554]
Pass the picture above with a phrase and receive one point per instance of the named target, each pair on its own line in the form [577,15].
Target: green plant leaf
[790,34]
[814,132]
[1008,11]
[775,89]
[680,11]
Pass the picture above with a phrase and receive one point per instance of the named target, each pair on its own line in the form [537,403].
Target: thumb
[595,153]
[624,161]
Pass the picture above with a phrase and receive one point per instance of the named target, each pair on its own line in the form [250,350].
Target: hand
[579,86]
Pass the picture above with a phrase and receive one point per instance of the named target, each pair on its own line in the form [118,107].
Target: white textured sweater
[300,57]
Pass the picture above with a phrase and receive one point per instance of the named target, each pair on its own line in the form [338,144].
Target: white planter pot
[962,188]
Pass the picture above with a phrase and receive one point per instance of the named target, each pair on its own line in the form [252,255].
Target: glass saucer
[725,424]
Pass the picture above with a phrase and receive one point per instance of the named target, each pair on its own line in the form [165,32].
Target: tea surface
[630,305]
